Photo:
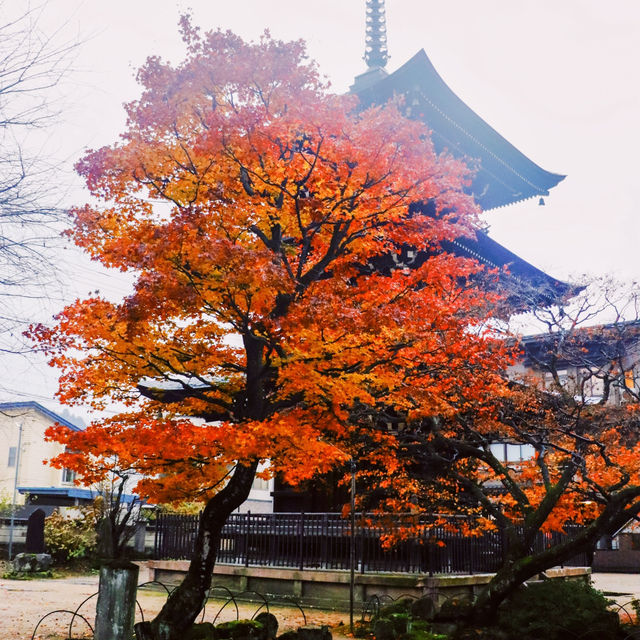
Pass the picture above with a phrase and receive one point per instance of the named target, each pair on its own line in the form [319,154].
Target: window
[550,383]
[506,452]
[68,476]
[607,543]
[498,449]
[592,384]
[513,453]
[260,484]
[13,454]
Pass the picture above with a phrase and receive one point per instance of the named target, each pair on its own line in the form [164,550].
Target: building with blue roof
[23,455]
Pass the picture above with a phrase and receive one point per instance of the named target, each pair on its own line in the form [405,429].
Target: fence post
[361,554]
[504,543]
[301,546]
[246,538]
[156,538]
[325,562]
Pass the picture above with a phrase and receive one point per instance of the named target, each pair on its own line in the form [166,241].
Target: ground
[24,602]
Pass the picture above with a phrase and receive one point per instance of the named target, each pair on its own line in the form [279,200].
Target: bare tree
[32,64]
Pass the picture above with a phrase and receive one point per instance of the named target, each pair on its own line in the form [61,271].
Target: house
[596,364]
[260,498]
[23,455]
[599,364]
[23,450]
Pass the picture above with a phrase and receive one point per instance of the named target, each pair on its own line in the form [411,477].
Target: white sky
[557,78]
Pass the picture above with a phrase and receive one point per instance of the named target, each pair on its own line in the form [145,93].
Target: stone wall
[330,589]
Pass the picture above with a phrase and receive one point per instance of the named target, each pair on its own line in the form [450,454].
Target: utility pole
[352,545]
[15,491]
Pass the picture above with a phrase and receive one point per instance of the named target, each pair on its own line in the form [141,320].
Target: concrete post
[116,607]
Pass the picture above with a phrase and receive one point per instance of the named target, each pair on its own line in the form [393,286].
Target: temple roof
[527,285]
[504,174]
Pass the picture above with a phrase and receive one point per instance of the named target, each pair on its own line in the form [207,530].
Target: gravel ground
[24,602]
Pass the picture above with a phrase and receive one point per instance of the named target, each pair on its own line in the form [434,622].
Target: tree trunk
[519,568]
[185,603]
[509,577]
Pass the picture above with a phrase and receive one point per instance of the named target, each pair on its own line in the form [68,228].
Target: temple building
[504,176]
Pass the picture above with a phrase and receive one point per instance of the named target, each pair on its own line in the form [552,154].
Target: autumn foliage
[249,202]
[251,206]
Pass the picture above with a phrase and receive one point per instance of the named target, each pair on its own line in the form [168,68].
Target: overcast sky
[557,78]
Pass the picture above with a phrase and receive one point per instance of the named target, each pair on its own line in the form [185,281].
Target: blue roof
[32,404]
[72,492]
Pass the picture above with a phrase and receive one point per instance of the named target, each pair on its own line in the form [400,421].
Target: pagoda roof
[527,284]
[504,175]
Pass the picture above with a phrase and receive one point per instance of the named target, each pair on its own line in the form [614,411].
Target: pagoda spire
[375,49]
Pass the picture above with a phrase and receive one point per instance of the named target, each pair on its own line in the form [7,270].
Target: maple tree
[254,209]
[574,408]
[250,204]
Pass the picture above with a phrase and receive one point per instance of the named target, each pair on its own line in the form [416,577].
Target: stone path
[621,587]
[621,584]
[24,602]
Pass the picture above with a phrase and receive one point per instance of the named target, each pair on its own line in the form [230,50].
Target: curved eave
[526,284]
[504,174]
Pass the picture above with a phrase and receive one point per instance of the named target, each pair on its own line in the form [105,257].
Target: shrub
[70,538]
[455,608]
[240,630]
[6,504]
[361,629]
[557,610]
[398,626]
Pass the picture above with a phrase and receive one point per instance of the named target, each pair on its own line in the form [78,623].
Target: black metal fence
[322,541]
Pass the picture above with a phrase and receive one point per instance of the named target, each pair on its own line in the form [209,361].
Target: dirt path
[24,602]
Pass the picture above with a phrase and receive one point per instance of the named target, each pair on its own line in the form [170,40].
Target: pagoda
[504,175]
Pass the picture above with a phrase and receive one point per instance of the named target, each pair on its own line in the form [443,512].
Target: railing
[322,541]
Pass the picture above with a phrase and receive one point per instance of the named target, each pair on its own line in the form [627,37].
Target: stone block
[383,629]
[241,630]
[423,608]
[115,609]
[270,624]
[201,631]
[31,562]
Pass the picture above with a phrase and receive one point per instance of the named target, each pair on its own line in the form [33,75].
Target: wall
[32,471]
[330,589]
[625,559]
[260,498]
